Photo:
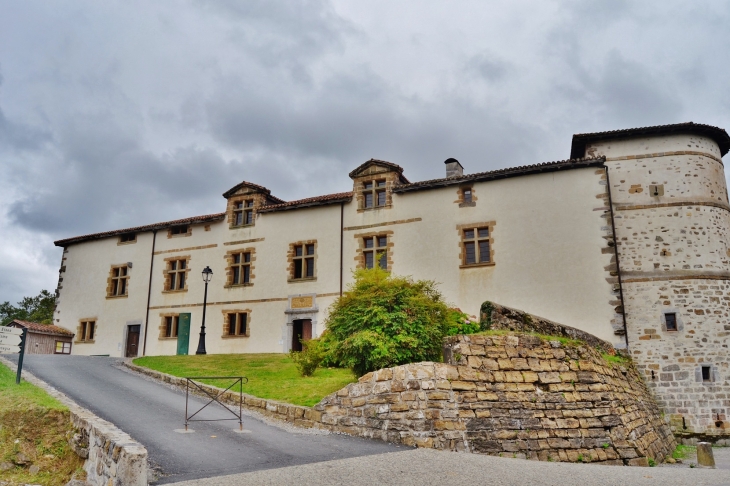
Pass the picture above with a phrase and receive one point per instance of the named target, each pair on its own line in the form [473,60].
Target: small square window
[706,373]
[467,195]
[671,320]
[236,324]
[63,347]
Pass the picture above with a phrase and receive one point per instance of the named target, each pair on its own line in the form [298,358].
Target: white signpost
[12,341]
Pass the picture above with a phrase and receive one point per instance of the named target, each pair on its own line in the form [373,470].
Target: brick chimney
[453,168]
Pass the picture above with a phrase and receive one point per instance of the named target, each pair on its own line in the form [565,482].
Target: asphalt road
[425,467]
[150,413]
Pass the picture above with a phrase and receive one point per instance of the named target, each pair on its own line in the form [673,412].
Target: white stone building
[626,240]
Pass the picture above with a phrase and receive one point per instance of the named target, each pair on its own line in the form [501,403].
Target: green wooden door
[183,333]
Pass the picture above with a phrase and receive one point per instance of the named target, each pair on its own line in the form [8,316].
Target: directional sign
[9,349]
[11,330]
[10,339]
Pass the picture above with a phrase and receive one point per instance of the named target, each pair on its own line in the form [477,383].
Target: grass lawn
[272,376]
[34,424]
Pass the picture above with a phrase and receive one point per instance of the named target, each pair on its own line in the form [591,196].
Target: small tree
[385,320]
[34,309]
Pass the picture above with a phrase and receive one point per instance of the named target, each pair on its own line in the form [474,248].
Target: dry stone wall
[513,395]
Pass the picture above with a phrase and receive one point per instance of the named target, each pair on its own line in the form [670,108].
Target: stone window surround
[224,330]
[360,255]
[290,255]
[229,271]
[678,318]
[462,254]
[80,337]
[163,325]
[460,196]
[166,274]
[180,235]
[258,201]
[391,179]
[714,375]
[109,284]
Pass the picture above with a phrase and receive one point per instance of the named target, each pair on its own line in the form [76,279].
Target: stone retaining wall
[113,458]
[509,395]
[498,317]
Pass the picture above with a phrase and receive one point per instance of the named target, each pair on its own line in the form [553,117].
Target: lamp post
[207,275]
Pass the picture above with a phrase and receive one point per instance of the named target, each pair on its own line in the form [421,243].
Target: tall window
[375,248]
[236,324]
[169,326]
[303,261]
[241,268]
[476,245]
[86,332]
[118,281]
[374,194]
[243,212]
[176,272]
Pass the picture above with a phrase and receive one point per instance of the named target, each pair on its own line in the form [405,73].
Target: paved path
[150,412]
[423,467]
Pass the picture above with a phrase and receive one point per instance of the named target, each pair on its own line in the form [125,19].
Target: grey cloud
[488,66]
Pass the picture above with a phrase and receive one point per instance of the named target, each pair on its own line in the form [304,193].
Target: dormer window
[243,212]
[374,194]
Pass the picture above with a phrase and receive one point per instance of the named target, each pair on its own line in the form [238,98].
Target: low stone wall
[511,395]
[113,458]
[498,317]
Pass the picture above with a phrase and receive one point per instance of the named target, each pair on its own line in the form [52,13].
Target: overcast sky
[117,114]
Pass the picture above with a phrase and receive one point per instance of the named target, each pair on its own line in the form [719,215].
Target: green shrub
[458,322]
[309,358]
[384,320]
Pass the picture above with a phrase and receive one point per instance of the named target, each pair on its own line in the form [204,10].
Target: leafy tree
[385,320]
[34,309]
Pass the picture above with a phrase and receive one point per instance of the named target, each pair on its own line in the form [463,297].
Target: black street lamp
[207,275]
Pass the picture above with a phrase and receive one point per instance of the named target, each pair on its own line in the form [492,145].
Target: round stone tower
[672,223]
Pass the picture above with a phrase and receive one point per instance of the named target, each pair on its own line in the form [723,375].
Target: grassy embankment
[271,376]
[34,424]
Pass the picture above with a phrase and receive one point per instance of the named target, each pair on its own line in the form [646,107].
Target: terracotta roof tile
[257,187]
[503,173]
[45,328]
[390,165]
[310,201]
[719,135]
[208,218]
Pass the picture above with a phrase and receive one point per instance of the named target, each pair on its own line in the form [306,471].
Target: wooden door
[306,330]
[183,333]
[132,341]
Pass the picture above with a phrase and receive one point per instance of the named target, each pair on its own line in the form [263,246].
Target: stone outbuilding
[45,338]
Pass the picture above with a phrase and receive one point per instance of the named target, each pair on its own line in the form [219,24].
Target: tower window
[706,373]
[671,320]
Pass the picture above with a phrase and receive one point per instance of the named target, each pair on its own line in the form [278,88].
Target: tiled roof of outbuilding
[44,328]
[719,135]
[208,218]
[503,173]
[310,201]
